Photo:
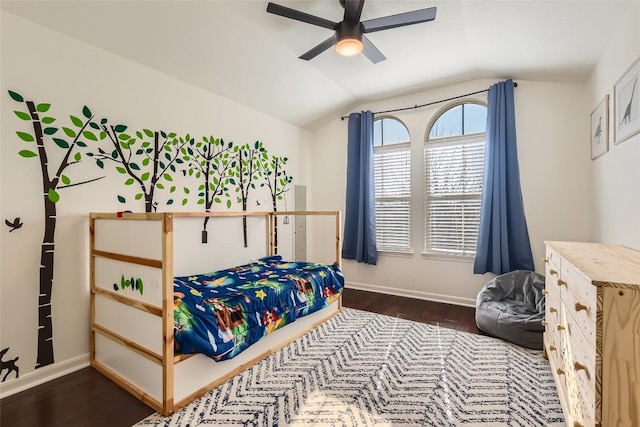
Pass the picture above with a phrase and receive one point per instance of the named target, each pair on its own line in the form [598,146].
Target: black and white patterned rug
[365,369]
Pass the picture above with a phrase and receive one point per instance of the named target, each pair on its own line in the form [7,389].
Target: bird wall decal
[16,224]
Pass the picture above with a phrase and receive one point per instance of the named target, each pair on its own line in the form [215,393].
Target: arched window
[392,175]
[454,163]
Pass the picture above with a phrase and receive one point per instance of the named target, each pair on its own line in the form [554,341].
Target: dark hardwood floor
[87,398]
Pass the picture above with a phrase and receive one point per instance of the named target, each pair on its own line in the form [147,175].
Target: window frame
[396,146]
[457,140]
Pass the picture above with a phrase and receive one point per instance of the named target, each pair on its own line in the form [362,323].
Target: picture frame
[600,129]
[626,104]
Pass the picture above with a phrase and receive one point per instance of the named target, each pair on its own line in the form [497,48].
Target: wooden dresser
[592,332]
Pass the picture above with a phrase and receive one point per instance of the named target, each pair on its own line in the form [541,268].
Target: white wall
[46,66]
[555,177]
[616,174]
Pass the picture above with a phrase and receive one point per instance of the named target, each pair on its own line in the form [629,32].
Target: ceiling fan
[349,37]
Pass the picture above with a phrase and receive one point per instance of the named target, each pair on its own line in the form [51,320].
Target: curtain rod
[429,103]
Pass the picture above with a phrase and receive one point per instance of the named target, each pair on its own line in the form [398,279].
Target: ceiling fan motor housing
[349,30]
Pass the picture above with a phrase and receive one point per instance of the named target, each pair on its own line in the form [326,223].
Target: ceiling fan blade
[400,20]
[276,9]
[353,10]
[371,51]
[319,49]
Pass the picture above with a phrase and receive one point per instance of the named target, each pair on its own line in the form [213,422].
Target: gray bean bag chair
[511,307]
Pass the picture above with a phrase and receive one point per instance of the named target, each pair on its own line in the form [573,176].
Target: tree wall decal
[147,163]
[247,170]
[212,162]
[54,179]
[275,178]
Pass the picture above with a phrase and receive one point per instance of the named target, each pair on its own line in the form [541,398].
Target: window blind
[453,188]
[392,176]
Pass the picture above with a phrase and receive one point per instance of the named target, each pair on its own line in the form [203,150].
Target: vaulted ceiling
[237,50]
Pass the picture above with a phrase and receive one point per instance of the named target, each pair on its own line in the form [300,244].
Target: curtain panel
[503,239]
[359,242]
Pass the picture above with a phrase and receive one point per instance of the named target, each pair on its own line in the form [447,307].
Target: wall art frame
[626,104]
[600,129]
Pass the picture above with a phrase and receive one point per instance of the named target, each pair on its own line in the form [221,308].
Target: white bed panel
[136,325]
[199,371]
[129,237]
[109,272]
[137,369]
[225,247]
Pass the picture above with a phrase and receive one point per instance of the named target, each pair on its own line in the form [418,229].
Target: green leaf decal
[170,201]
[160,186]
[90,135]
[103,135]
[86,112]
[129,181]
[50,131]
[27,137]
[228,204]
[134,166]
[145,161]
[76,121]
[61,143]
[138,196]
[186,190]
[53,195]
[27,153]
[145,176]
[148,133]
[120,128]
[100,163]
[122,199]
[121,169]
[69,132]
[16,96]
[65,179]
[43,108]
[81,144]
[77,157]
[167,177]
[201,202]
[94,125]
[22,115]
[48,120]
[172,189]
[184,202]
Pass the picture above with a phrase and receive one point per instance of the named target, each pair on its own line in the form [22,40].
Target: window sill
[400,254]
[448,257]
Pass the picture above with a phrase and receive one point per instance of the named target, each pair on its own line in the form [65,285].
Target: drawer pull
[562,282]
[552,272]
[552,348]
[545,260]
[545,292]
[559,371]
[544,323]
[552,310]
[577,366]
[560,327]
[577,424]
[580,307]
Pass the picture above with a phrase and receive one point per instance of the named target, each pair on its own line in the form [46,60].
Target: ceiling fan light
[349,46]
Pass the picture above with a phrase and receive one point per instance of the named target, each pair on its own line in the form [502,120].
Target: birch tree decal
[54,178]
[245,173]
[148,159]
[213,162]
[275,178]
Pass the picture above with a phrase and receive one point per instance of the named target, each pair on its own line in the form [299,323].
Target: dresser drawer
[581,305]
[580,358]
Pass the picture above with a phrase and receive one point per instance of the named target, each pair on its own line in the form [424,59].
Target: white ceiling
[237,50]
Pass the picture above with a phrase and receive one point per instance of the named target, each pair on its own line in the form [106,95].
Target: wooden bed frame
[133,260]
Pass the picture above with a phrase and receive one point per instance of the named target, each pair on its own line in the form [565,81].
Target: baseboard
[448,299]
[43,375]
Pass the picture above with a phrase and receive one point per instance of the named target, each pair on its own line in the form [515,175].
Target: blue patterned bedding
[222,313]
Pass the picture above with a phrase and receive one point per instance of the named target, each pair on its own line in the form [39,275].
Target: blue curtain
[359,241]
[503,240]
